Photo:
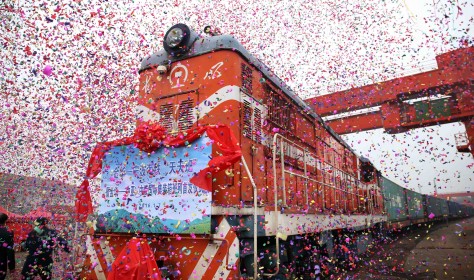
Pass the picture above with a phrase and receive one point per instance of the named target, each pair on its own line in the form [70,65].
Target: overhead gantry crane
[435,97]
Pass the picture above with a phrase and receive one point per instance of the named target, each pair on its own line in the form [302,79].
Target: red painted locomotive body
[296,180]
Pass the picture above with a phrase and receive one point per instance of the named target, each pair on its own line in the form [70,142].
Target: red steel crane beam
[405,102]
[454,68]
[396,117]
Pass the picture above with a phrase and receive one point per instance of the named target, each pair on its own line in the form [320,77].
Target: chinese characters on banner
[151,192]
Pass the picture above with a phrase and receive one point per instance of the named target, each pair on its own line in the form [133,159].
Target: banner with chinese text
[151,193]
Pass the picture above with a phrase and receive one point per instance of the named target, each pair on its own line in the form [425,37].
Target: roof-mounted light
[179,39]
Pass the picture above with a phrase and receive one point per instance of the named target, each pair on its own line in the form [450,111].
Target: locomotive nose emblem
[178,76]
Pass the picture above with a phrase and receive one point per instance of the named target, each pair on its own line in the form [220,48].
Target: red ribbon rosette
[149,136]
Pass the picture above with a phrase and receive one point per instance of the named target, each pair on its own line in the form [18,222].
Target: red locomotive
[271,185]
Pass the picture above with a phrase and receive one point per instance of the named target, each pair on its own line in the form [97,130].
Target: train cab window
[367,175]
[367,172]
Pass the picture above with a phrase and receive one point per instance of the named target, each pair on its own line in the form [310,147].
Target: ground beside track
[427,251]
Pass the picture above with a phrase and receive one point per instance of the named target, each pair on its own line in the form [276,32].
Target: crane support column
[470,134]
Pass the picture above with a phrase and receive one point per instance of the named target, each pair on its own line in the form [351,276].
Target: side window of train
[367,173]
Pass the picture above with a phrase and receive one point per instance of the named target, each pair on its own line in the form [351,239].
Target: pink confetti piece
[48,70]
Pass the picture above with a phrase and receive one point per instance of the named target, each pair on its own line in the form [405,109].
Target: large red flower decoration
[149,136]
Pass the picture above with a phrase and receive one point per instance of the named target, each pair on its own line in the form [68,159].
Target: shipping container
[454,209]
[436,207]
[415,205]
[395,201]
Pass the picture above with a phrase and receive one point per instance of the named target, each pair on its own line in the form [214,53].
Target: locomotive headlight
[175,36]
[179,39]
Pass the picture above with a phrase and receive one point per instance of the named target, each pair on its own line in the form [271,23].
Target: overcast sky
[69,72]
[425,158]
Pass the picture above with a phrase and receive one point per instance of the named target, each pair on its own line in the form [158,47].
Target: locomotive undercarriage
[304,256]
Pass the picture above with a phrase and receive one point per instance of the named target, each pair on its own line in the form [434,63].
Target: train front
[156,187]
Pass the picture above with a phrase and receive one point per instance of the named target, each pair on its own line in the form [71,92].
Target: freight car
[228,175]
[405,207]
